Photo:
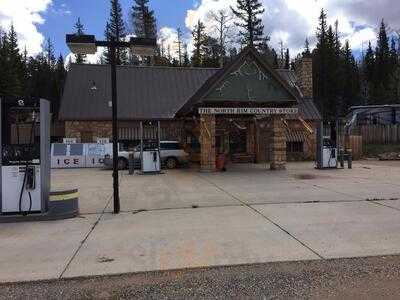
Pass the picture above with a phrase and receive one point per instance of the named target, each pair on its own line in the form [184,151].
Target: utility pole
[114,124]
[87,44]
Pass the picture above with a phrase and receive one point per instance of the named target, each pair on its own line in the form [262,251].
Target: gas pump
[327,145]
[150,150]
[25,156]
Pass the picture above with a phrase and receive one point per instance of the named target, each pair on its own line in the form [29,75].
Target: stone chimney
[304,73]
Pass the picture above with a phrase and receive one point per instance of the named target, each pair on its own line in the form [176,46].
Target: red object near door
[220,162]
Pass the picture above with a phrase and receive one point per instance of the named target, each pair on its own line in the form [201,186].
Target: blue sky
[94,14]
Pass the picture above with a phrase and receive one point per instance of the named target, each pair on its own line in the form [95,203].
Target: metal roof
[374,106]
[307,110]
[144,93]
[296,136]
[290,77]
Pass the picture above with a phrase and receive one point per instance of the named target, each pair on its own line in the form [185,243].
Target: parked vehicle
[171,153]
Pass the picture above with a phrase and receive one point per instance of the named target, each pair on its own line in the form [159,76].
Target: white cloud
[25,15]
[168,37]
[359,39]
[292,21]
[202,10]
[61,10]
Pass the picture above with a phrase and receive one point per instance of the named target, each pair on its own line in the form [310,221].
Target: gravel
[356,278]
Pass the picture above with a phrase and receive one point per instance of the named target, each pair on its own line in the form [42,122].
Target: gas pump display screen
[17,154]
[19,126]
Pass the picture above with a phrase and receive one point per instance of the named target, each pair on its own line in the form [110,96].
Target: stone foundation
[97,129]
[278,144]
[89,131]
[266,140]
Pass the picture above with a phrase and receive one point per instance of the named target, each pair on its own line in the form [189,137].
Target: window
[294,147]
[170,146]
[238,141]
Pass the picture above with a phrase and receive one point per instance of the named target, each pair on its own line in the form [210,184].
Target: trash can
[220,162]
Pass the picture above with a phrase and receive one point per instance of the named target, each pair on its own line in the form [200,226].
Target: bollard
[131,164]
[350,159]
[341,158]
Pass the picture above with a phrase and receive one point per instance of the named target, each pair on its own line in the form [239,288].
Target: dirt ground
[358,278]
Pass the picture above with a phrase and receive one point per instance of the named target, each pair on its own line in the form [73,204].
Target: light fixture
[81,44]
[93,88]
[143,46]
[87,44]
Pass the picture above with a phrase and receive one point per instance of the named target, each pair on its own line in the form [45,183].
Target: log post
[278,144]
[207,143]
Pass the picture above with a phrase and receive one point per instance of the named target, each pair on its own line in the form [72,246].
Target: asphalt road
[358,278]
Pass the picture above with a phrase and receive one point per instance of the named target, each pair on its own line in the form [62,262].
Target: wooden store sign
[248,111]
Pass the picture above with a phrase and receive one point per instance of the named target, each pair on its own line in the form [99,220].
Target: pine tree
[248,13]
[275,60]
[12,79]
[269,54]
[115,30]
[3,63]
[199,39]
[393,52]
[328,70]
[144,25]
[337,44]
[179,43]
[186,59]
[369,73]
[79,30]
[383,67]
[58,84]
[169,55]
[306,47]
[320,65]
[232,53]
[287,60]
[395,72]
[143,20]
[211,53]
[332,71]
[49,51]
[351,80]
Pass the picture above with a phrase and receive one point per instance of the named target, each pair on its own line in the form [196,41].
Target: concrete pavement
[183,238]
[186,219]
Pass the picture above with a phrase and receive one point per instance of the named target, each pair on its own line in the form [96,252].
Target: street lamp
[87,44]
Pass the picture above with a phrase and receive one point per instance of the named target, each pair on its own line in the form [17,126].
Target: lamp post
[87,44]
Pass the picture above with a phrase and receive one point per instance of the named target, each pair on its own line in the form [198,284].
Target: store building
[247,110]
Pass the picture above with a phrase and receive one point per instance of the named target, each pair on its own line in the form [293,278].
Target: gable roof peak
[229,69]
